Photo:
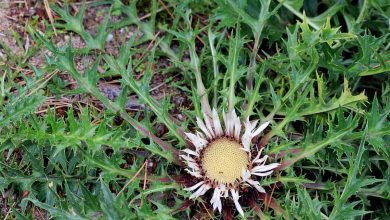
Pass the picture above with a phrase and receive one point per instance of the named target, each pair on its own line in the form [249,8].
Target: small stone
[110,37]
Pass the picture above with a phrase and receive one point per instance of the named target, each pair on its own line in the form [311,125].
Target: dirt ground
[14,17]
[8,22]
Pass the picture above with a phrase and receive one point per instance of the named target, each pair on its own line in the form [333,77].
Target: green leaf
[57,212]
[108,203]
[19,109]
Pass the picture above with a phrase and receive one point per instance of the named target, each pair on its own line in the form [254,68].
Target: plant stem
[201,91]
[215,67]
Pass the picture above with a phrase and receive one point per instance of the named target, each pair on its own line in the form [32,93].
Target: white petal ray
[233,122]
[193,165]
[250,132]
[258,156]
[264,168]
[217,123]
[190,152]
[201,135]
[194,173]
[205,189]
[192,188]
[227,120]
[261,161]
[216,200]
[209,125]
[245,174]
[201,190]
[256,184]
[197,141]
[237,125]
[224,191]
[202,126]
[260,129]
[262,174]
[245,150]
[187,158]
[203,141]
[245,143]
[247,136]
[236,203]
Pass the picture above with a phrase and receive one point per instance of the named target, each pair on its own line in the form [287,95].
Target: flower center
[223,160]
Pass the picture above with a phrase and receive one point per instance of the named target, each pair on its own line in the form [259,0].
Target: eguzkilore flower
[222,158]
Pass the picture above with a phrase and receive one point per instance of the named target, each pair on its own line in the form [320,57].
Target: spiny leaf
[21,108]
[346,100]
[57,212]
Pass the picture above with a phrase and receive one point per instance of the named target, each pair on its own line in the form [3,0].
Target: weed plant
[317,70]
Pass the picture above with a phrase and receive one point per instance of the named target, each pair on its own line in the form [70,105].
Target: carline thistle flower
[222,159]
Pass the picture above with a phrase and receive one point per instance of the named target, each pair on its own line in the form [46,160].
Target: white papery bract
[222,158]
